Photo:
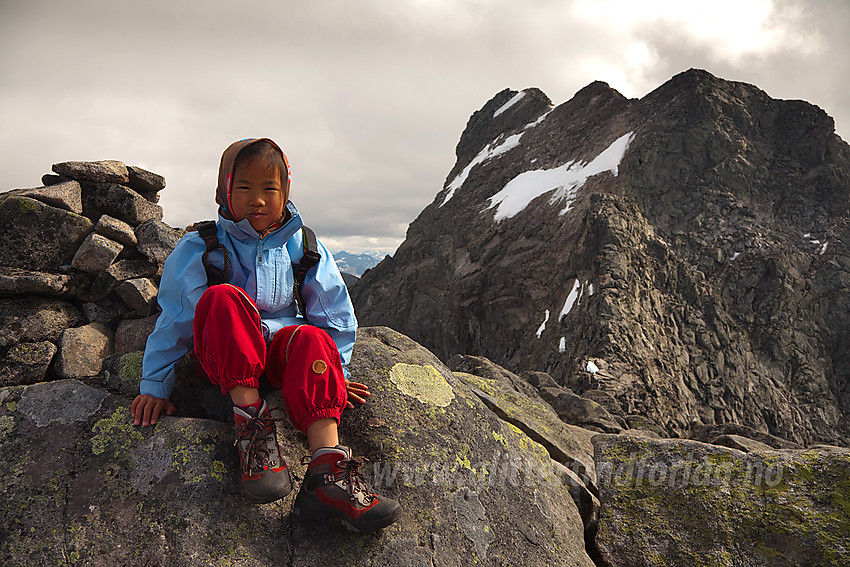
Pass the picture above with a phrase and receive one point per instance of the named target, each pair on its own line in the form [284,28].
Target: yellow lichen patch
[423,382]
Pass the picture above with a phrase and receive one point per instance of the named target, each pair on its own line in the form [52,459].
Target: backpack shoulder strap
[215,275]
[309,259]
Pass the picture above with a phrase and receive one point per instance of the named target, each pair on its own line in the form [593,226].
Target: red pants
[302,360]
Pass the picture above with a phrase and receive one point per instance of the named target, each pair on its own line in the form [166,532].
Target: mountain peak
[685,238]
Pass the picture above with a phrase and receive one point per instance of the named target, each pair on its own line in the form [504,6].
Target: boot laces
[350,478]
[259,434]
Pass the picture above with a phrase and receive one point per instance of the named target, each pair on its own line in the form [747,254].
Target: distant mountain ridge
[356,264]
[691,244]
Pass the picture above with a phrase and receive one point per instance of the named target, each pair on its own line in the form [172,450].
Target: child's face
[257,195]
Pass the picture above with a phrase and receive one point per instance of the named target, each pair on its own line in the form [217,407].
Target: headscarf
[226,171]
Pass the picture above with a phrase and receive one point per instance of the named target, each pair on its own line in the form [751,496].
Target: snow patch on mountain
[565,180]
[490,151]
[516,98]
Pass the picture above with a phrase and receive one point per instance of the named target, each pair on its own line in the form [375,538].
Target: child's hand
[357,392]
[146,409]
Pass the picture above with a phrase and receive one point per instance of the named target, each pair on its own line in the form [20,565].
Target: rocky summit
[683,256]
[572,455]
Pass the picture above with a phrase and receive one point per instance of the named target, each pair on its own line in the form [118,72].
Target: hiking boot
[265,477]
[333,486]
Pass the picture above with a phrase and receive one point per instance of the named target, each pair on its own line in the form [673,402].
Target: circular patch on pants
[320,366]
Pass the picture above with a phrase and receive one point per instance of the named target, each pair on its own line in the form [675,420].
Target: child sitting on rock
[251,325]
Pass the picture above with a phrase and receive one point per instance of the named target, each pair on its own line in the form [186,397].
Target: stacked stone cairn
[80,261]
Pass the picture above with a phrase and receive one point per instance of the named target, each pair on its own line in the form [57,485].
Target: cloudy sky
[367,97]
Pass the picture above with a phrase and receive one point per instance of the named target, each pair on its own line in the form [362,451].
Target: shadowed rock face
[707,268]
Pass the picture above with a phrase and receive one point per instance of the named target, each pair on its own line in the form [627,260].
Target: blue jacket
[263,268]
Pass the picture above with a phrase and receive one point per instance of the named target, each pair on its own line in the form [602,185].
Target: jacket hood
[225,174]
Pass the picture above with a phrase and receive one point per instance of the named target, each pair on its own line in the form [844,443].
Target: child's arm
[181,286]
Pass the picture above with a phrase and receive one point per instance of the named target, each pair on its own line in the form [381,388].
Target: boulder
[740,443]
[706,433]
[26,363]
[569,446]
[116,230]
[640,422]
[580,411]
[118,201]
[15,281]
[143,181]
[96,253]
[132,334]
[139,294]
[107,311]
[52,179]
[39,237]
[604,399]
[107,171]
[82,350]
[32,319]
[157,240]
[681,502]
[64,195]
[119,271]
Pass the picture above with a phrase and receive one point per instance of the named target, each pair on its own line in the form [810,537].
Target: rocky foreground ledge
[484,467]
[492,468]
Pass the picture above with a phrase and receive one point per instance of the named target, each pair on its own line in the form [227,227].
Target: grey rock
[118,201]
[105,312]
[132,334]
[740,443]
[705,433]
[157,240]
[116,230]
[82,350]
[641,422]
[139,294]
[26,363]
[96,253]
[32,319]
[48,404]
[119,271]
[604,399]
[52,179]
[38,237]
[152,197]
[122,372]
[65,195]
[129,269]
[539,379]
[580,411]
[144,181]
[107,171]
[669,501]
[14,281]
[515,402]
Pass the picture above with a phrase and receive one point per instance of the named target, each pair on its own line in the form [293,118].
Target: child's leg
[304,362]
[229,341]
[231,349]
